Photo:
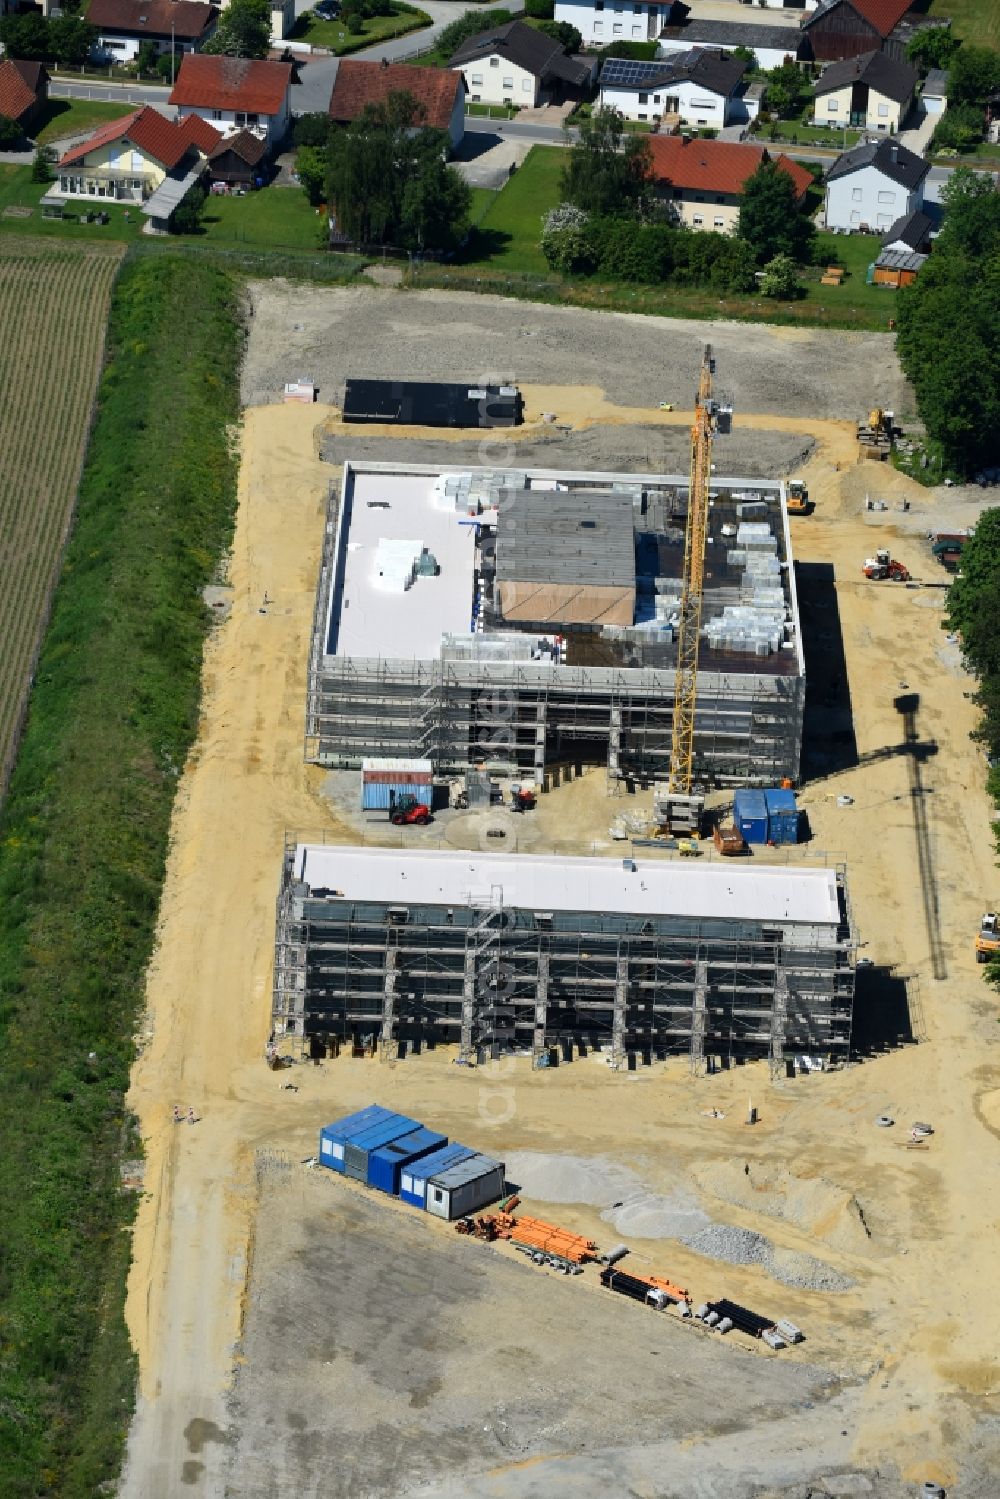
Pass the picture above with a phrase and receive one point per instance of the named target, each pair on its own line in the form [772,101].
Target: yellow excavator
[797,501]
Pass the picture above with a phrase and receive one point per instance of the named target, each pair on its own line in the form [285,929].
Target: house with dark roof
[870,90]
[124,25]
[236,93]
[699,87]
[601,22]
[24,88]
[771,43]
[912,231]
[439,92]
[871,186]
[144,159]
[517,64]
[703,181]
[237,163]
[846,28]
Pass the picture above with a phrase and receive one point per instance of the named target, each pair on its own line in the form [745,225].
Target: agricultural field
[53,310]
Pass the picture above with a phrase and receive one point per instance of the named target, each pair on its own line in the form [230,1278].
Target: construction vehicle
[875,435]
[729,841]
[406,811]
[522,798]
[684,803]
[883,566]
[988,938]
[797,501]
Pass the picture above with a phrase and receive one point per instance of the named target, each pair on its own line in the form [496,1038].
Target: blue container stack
[333,1138]
[386,1164]
[360,1148]
[413,1179]
[750,815]
[782,816]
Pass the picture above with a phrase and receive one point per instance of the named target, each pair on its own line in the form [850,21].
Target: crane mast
[685,805]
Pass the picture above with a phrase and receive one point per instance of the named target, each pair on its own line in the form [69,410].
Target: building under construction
[523,619]
[501,952]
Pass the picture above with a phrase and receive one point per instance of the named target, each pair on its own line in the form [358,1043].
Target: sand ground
[914,1231]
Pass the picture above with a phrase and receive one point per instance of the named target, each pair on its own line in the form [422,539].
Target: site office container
[386,1164]
[385,782]
[750,815]
[358,1149]
[334,1137]
[782,815]
[465,1187]
[413,1179]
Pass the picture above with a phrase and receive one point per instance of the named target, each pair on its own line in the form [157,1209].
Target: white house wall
[767,57]
[868,197]
[496,80]
[694,105]
[602,21]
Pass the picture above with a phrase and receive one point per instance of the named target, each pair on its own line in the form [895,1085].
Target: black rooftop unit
[418,403]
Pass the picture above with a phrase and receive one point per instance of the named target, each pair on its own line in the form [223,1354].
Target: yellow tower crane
[684,805]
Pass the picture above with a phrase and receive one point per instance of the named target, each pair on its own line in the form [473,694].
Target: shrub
[540,10]
[10,138]
[567,242]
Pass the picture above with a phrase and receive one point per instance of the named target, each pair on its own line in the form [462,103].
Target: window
[656,98]
[883,110]
[719,198]
[637,10]
[216,114]
[598,27]
[643,98]
[245,119]
[598,4]
[637,32]
[719,223]
[887,197]
[476,80]
[855,216]
[883,221]
[697,221]
[494,62]
[616,29]
[137,162]
[832,106]
[508,83]
[642,117]
[526,85]
[856,194]
[437,1194]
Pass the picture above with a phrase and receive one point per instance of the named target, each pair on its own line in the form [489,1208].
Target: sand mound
[821,1208]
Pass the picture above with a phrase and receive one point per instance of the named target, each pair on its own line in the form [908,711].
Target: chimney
[893,153]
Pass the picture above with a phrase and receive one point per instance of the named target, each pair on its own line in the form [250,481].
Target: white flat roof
[756,892]
[407,625]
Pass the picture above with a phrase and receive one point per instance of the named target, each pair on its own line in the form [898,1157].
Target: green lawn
[796,132]
[855,252]
[64,117]
[18,191]
[278,216]
[971,20]
[335,35]
[508,235]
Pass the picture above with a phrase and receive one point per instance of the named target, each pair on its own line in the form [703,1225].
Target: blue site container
[750,815]
[413,1179]
[358,1149]
[782,815]
[386,1164]
[333,1137]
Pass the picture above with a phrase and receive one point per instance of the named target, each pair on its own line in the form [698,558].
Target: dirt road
[917,1328]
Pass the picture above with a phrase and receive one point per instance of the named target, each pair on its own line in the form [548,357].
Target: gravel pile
[741,1246]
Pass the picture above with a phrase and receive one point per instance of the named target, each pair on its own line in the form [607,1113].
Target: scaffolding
[495,978]
[604,694]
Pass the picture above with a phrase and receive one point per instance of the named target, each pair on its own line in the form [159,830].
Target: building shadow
[828,741]
[882,1016]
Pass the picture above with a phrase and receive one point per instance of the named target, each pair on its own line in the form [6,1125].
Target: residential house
[871,186]
[703,181]
[24,88]
[934,94]
[439,91]
[846,28]
[123,26]
[144,159]
[770,44]
[237,163]
[517,64]
[697,88]
[912,231]
[236,93]
[601,22]
[870,90]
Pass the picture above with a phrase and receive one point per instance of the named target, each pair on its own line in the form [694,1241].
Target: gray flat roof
[469,1170]
[566,536]
[535,882]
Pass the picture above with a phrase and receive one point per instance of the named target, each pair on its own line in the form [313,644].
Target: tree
[972,215]
[974,75]
[747,55]
[312,130]
[608,172]
[26,37]
[42,163]
[244,30]
[567,242]
[771,221]
[389,182]
[932,47]
[313,165]
[71,40]
[166,66]
[10,135]
[780,278]
[562,32]
[469,24]
[147,57]
[540,10]
[960,128]
[787,91]
[186,217]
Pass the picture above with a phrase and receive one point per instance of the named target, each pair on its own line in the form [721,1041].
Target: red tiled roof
[715,166]
[16,98]
[232,83]
[153,134]
[361,83]
[244,144]
[189,18]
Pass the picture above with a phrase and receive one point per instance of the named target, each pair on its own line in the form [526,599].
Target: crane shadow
[917,754]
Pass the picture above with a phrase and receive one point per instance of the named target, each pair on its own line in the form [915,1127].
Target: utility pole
[172,51]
